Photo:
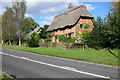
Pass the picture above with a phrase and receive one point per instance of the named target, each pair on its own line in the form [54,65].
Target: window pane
[81,25]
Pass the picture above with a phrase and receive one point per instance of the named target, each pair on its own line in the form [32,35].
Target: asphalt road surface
[30,65]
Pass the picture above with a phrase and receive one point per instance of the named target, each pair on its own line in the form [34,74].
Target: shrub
[70,40]
[62,38]
[47,40]
[86,26]
[33,40]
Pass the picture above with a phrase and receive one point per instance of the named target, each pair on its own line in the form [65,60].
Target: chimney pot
[70,6]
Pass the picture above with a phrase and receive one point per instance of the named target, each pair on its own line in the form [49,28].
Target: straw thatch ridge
[69,17]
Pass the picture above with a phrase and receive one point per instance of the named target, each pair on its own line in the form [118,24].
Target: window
[81,25]
[56,37]
[69,35]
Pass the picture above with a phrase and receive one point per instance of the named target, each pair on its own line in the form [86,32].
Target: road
[30,65]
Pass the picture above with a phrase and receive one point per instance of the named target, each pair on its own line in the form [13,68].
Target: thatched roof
[69,17]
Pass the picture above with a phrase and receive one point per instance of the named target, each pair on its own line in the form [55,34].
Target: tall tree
[83,38]
[19,9]
[95,39]
[30,23]
[106,33]
[8,30]
[1,41]
[113,25]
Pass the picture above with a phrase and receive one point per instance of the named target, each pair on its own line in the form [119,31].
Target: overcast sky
[44,11]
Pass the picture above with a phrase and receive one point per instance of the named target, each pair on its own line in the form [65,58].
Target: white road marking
[61,67]
[65,59]
[70,68]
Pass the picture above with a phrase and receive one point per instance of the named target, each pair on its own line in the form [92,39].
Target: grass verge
[4,76]
[90,55]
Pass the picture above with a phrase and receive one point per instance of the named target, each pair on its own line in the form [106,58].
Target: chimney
[70,6]
[83,6]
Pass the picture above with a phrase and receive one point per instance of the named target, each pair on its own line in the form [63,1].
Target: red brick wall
[73,29]
[64,31]
[84,21]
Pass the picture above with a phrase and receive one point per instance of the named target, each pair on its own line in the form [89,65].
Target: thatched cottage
[71,22]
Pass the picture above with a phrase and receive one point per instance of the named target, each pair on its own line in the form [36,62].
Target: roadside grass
[90,55]
[4,76]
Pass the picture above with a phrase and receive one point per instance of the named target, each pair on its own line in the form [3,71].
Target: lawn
[4,76]
[90,55]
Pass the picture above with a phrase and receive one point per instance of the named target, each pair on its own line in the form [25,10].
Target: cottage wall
[84,21]
[62,32]
[73,30]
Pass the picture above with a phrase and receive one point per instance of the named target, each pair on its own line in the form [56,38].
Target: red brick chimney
[70,6]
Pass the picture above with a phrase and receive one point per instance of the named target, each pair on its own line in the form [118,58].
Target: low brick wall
[56,45]
[60,45]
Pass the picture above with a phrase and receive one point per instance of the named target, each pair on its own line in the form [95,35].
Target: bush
[70,40]
[47,40]
[33,40]
[86,26]
[64,39]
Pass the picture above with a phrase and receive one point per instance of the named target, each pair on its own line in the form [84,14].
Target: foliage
[70,40]
[19,10]
[4,76]
[30,24]
[33,40]
[45,40]
[83,37]
[86,26]
[15,27]
[96,38]
[8,28]
[113,26]
[64,39]
[43,32]
[106,32]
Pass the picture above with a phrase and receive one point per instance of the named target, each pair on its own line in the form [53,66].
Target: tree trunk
[19,38]
[113,53]
[83,47]
[9,41]
[19,41]
[2,42]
